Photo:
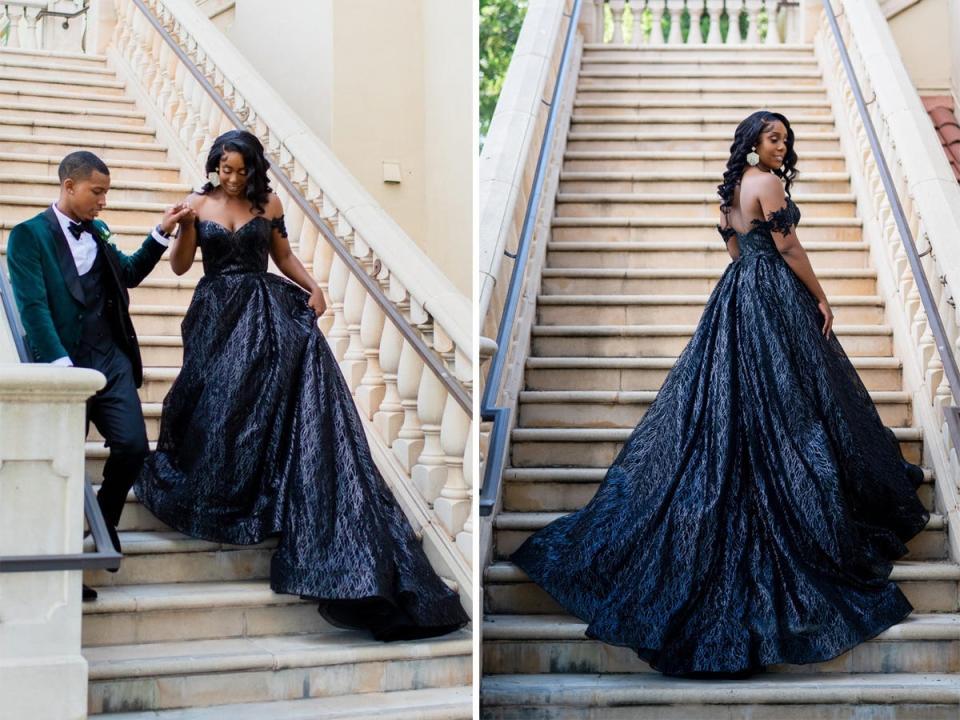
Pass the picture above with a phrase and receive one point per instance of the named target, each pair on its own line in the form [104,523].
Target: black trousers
[117,414]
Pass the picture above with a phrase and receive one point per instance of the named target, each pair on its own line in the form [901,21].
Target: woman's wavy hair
[744,139]
[249,146]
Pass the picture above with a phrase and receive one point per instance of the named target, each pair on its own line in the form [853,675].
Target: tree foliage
[500,22]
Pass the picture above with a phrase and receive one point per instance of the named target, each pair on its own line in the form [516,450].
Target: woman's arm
[183,247]
[287,262]
[773,199]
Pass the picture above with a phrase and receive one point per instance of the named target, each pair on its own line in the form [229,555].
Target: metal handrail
[950,368]
[497,448]
[449,382]
[109,558]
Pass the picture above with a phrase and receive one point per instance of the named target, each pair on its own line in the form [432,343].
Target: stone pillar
[43,676]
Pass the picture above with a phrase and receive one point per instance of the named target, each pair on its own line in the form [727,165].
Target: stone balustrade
[660,22]
[26,25]
[930,198]
[409,410]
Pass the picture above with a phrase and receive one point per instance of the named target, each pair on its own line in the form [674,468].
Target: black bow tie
[78,228]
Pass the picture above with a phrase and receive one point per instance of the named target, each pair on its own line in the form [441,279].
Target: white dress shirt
[84,251]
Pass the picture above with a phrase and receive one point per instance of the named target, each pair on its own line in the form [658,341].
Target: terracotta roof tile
[940,110]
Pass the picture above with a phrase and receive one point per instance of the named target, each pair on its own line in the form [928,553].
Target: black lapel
[67,264]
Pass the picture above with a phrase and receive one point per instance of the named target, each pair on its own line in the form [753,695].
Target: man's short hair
[80,165]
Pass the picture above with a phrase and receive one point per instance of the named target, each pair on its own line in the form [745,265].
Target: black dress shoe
[89,593]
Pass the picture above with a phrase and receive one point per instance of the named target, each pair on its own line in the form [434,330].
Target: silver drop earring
[752,156]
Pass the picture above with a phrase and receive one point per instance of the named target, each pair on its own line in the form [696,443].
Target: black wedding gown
[259,437]
[753,514]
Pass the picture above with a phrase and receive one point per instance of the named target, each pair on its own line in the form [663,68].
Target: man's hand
[178,214]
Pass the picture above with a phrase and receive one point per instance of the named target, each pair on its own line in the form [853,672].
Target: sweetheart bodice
[246,249]
[758,239]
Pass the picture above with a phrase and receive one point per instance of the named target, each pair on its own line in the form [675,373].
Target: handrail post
[42,420]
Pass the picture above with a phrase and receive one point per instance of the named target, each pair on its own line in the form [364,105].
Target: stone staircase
[188,628]
[631,259]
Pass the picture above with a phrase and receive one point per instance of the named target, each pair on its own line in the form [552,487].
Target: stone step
[447,703]
[121,169]
[653,205]
[769,696]
[72,98]
[610,228]
[745,52]
[166,612]
[198,673]
[638,373]
[930,586]
[671,309]
[82,131]
[164,292]
[923,643]
[625,408]
[642,60]
[666,141]
[687,161]
[47,187]
[147,214]
[55,68]
[69,58]
[161,350]
[682,281]
[634,95]
[621,106]
[596,447]
[692,254]
[704,75]
[157,382]
[512,528]
[161,319]
[653,181]
[550,489]
[47,110]
[13,80]
[151,557]
[62,144]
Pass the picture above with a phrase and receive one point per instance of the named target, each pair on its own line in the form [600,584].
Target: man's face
[88,196]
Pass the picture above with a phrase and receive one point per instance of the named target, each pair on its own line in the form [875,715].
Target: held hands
[179,214]
[827,313]
[317,302]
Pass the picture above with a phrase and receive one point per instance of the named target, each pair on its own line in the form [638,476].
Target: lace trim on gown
[278,224]
[781,220]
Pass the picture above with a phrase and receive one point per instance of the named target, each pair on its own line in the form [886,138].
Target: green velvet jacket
[49,294]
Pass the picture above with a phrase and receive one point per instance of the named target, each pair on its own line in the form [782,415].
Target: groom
[71,286]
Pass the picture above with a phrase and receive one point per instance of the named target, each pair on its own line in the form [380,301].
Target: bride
[259,435]
[752,516]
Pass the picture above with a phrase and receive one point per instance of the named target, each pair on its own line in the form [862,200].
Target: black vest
[96,333]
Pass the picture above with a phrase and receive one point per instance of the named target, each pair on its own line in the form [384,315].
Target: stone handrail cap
[42,381]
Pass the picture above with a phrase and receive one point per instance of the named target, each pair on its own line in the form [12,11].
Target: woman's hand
[176,215]
[827,313]
[317,302]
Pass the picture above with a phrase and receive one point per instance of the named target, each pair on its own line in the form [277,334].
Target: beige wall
[954,42]
[922,34]
[382,81]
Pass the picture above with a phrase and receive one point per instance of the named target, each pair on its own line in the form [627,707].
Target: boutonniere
[103,232]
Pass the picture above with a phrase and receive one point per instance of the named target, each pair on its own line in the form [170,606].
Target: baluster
[714,10]
[773,30]
[30,16]
[430,473]
[409,441]
[388,419]
[656,29]
[14,13]
[354,361]
[637,9]
[338,337]
[694,36]
[676,11]
[753,18]
[616,10]
[371,390]
[733,31]
[465,536]
[453,505]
